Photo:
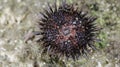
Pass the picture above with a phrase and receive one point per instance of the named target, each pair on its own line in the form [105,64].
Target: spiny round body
[67,31]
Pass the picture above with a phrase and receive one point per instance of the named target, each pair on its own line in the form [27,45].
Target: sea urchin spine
[67,31]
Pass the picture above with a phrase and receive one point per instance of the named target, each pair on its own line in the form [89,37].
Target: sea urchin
[67,31]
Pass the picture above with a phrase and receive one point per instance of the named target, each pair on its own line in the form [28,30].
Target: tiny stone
[76,18]
[65,42]
[80,21]
[74,22]
[68,40]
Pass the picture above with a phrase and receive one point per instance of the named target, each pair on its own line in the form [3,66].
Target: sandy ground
[19,17]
